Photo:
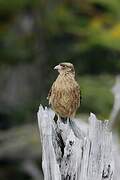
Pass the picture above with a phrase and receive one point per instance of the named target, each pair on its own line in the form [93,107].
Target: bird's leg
[69,119]
[64,119]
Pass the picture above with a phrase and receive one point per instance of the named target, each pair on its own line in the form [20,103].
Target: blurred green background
[34,37]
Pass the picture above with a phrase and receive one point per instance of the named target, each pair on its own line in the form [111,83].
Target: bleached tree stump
[71,153]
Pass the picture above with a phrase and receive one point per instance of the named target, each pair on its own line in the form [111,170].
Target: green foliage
[96,95]
[15,5]
[71,29]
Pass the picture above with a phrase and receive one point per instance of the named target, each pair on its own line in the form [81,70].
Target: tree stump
[70,153]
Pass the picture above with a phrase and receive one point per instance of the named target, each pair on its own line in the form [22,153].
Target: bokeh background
[35,35]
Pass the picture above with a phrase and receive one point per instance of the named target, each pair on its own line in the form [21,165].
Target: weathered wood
[69,153]
[49,163]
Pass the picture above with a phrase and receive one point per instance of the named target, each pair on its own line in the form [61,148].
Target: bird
[65,95]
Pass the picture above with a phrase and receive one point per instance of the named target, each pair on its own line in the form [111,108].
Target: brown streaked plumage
[64,95]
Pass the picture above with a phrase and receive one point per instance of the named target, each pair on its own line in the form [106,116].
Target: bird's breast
[65,96]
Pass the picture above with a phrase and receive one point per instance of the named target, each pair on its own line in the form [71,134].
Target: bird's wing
[77,95]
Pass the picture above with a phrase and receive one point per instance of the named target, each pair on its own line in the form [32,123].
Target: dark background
[34,37]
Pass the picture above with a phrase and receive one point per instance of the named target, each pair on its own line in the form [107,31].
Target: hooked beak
[58,67]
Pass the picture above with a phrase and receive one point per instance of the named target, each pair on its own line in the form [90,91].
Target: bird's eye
[62,65]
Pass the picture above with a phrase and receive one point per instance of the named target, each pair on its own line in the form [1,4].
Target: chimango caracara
[64,95]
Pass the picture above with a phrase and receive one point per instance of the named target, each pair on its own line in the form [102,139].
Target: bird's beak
[58,67]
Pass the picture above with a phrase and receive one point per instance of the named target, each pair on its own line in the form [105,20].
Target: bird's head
[65,67]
